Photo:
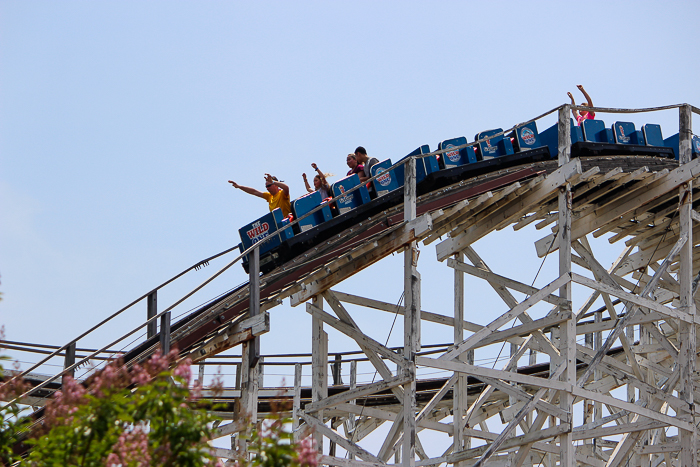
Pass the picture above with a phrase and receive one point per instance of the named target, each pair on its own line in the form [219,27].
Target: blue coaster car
[456,157]
[424,166]
[526,137]
[305,204]
[493,147]
[626,133]
[594,131]
[385,182]
[550,137]
[354,199]
[674,143]
[262,228]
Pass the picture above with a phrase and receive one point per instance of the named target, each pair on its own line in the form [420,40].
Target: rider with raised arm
[277,195]
[583,115]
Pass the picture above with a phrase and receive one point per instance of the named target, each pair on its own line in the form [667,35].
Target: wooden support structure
[601,366]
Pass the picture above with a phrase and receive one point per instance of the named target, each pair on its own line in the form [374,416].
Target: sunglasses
[268,186]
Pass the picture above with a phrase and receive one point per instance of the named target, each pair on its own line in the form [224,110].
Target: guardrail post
[411,319]
[68,361]
[687,354]
[165,333]
[151,311]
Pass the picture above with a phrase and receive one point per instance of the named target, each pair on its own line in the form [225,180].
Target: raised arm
[247,189]
[306,182]
[280,185]
[585,94]
[573,102]
[320,174]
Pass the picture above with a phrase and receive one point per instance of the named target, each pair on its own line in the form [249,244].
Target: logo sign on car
[344,199]
[528,136]
[385,178]
[258,231]
[452,155]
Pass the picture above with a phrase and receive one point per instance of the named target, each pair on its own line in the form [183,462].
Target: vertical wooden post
[250,355]
[337,381]
[567,337]
[597,374]
[411,319]
[68,361]
[165,333]
[337,367]
[351,418]
[319,364]
[151,311]
[201,373]
[296,405]
[249,395]
[459,402]
[254,305]
[261,372]
[688,351]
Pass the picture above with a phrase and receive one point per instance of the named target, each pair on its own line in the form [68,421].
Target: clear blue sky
[120,123]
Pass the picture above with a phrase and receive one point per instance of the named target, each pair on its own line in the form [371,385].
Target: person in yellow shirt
[277,195]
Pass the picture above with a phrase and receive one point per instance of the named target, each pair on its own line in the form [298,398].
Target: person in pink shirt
[583,115]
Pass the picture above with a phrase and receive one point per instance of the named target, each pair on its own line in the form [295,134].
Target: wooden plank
[595,219]
[498,279]
[496,444]
[633,298]
[342,462]
[542,341]
[400,309]
[355,334]
[391,416]
[376,361]
[334,436]
[634,408]
[474,339]
[479,371]
[688,334]
[523,205]
[368,389]
[383,247]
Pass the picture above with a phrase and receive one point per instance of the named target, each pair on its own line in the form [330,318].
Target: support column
[319,364]
[687,354]
[337,381]
[250,354]
[411,336]
[296,404]
[459,398]
[351,425]
[567,337]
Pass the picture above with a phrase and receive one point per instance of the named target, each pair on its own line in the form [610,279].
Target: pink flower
[307,452]
[130,449]
[184,371]
[139,375]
